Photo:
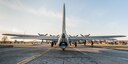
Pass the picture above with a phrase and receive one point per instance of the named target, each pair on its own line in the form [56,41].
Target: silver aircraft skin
[63,39]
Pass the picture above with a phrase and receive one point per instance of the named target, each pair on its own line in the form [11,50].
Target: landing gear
[70,43]
[85,43]
[92,43]
[75,44]
[63,49]
[52,44]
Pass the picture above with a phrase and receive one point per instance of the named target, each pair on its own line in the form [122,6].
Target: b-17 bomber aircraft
[63,40]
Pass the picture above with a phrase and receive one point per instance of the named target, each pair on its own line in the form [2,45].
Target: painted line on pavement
[80,51]
[25,61]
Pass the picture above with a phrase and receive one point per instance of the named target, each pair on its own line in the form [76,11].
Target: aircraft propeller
[42,34]
[85,35]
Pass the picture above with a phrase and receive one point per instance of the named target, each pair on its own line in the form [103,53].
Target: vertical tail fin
[63,24]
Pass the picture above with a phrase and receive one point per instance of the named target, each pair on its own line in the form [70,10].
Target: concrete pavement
[48,55]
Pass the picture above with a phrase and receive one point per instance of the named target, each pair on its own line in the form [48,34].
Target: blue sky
[95,17]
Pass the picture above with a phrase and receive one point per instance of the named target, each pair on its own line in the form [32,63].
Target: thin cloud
[42,11]
[19,6]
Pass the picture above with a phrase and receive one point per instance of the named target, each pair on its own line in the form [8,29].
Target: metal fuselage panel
[63,41]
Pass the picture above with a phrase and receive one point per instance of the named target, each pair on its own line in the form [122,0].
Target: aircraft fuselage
[63,41]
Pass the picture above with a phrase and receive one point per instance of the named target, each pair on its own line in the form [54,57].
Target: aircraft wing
[20,35]
[23,36]
[96,37]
